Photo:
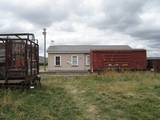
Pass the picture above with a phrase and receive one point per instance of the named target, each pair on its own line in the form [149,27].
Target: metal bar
[37,58]
[13,34]
[31,58]
[26,61]
[6,60]
[13,39]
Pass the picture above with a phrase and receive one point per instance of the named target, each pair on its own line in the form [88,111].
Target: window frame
[72,60]
[87,57]
[55,60]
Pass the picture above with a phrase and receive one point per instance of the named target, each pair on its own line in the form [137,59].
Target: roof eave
[67,52]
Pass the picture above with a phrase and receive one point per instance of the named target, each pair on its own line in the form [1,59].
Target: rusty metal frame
[31,50]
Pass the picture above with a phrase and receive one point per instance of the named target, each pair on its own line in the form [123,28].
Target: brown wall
[129,59]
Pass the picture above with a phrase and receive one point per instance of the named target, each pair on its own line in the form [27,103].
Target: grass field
[113,96]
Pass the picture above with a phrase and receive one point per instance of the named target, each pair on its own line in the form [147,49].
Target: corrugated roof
[153,58]
[84,48]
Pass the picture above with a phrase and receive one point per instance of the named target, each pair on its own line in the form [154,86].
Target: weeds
[127,95]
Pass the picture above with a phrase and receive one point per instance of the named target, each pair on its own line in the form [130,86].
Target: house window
[74,60]
[57,60]
[87,60]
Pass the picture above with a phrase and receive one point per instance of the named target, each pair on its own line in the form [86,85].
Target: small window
[57,60]
[87,60]
[74,60]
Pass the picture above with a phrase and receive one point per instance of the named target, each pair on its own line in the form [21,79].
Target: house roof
[84,48]
[153,58]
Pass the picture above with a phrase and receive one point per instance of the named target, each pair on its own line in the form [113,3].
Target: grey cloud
[121,14]
[118,16]
[44,15]
[146,34]
[66,26]
[41,15]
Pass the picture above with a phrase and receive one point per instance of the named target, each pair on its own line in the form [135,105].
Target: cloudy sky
[104,22]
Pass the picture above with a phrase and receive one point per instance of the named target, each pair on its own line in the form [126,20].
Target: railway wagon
[134,59]
[153,64]
[19,60]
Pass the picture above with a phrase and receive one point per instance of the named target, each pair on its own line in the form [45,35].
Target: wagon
[153,64]
[19,60]
[133,59]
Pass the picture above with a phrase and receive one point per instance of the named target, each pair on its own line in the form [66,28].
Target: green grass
[112,96]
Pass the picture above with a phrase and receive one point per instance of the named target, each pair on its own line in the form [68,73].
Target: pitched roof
[153,58]
[84,48]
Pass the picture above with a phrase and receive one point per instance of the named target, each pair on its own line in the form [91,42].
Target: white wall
[66,63]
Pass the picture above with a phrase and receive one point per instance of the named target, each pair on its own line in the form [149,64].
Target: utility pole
[44,33]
